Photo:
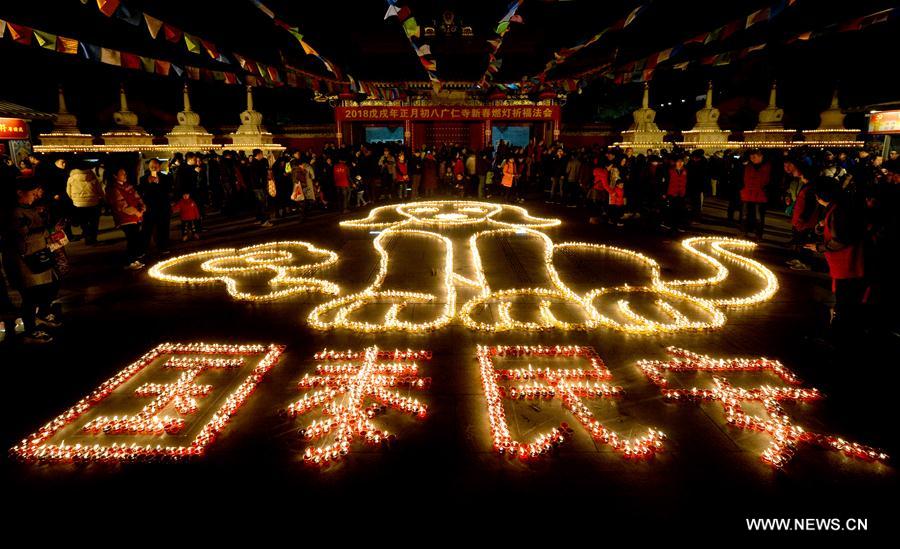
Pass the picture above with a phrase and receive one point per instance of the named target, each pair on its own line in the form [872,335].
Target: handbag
[272,189]
[40,261]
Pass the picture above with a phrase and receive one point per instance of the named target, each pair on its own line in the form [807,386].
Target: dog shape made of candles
[459,230]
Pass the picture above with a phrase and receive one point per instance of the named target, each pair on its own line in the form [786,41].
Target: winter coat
[756,179]
[677,183]
[84,188]
[341,175]
[843,252]
[509,173]
[806,209]
[187,209]
[27,235]
[127,207]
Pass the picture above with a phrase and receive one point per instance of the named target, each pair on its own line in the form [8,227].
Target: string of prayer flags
[413,33]
[298,36]
[494,63]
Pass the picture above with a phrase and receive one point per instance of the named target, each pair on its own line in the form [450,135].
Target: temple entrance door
[437,134]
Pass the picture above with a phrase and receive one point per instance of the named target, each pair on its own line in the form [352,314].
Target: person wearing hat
[843,249]
[29,263]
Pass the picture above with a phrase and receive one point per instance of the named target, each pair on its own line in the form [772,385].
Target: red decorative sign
[13,128]
[449,113]
[884,122]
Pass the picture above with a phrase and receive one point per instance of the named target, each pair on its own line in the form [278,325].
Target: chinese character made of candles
[786,437]
[87,432]
[570,385]
[351,389]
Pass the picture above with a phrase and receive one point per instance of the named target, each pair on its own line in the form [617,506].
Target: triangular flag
[111,57]
[663,55]
[210,48]
[2,28]
[222,59]
[148,64]
[502,28]
[757,17]
[230,78]
[66,45]
[153,25]
[192,43]
[429,65]
[295,32]
[178,70]
[273,74]
[404,14]
[173,34]
[90,51]
[681,66]
[45,40]
[411,28]
[424,49]
[20,33]
[392,10]
[125,14]
[130,60]
[632,16]
[161,67]
[495,43]
[107,7]
[801,36]
[308,49]
[516,19]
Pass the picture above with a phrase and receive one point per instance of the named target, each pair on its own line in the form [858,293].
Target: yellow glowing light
[785,436]
[279,258]
[190,359]
[344,385]
[426,219]
[569,385]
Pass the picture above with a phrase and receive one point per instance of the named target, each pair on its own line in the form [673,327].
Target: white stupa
[189,133]
[831,130]
[65,133]
[643,133]
[706,133]
[128,133]
[251,134]
[770,129]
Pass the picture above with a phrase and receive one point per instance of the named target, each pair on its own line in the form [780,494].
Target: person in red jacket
[676,188]
[128,213]
[189,213]
[843,248]
[342,183]
[757,176]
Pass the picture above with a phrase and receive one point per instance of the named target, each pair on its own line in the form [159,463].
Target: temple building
[189,134]
[643,133]
[706,133]
[252,134]
[831,130]
[129,135]
[65,130]
[770,129]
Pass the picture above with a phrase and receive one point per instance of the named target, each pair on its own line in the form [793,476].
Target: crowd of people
[840,206]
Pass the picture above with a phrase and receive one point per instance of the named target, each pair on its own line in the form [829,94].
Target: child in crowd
[187,209]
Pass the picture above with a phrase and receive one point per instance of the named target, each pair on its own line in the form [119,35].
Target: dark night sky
[356,38]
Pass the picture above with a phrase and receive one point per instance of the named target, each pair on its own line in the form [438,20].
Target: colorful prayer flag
[192,43]
[45,40]
[107,7]
[66,45]
[111,56]
[20,33]
[153,25]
